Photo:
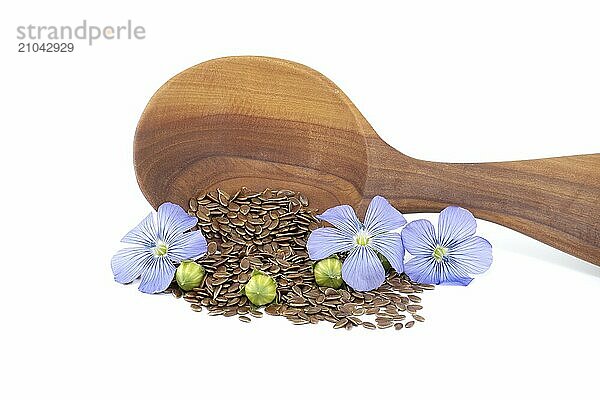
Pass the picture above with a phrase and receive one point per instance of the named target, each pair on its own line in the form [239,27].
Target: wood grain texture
[263,122]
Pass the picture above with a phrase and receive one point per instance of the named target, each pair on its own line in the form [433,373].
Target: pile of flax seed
[267,231]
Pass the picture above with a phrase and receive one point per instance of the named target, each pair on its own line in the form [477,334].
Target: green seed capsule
[261,289]
[189,275]
[384,261]
[328,272]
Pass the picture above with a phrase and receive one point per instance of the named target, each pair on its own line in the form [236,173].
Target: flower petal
[389,244]
[453,273]
[342,217]
[158,276]
[173,221]
[144,234]
[419,238]
[382,217]
[324,242]
[452,279]
[362,269]
[471,256]
[188,246]
[454,225]
[129,263]
[424,269]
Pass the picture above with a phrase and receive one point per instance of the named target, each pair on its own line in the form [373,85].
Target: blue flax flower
[450,255]
[362,270]
[160,243]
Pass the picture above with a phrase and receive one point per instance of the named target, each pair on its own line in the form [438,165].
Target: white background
[439,80]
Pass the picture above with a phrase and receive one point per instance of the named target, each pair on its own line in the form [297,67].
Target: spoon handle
[554,200]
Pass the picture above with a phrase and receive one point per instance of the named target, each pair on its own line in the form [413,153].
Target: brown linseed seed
[418,317]
[369,325]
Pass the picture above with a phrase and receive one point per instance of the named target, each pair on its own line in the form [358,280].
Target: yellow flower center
[160,249]
[362,238]
[439,252]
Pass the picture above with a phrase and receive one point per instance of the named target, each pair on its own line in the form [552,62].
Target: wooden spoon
[263,122]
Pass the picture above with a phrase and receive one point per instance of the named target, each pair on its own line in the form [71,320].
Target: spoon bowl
[243,121]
